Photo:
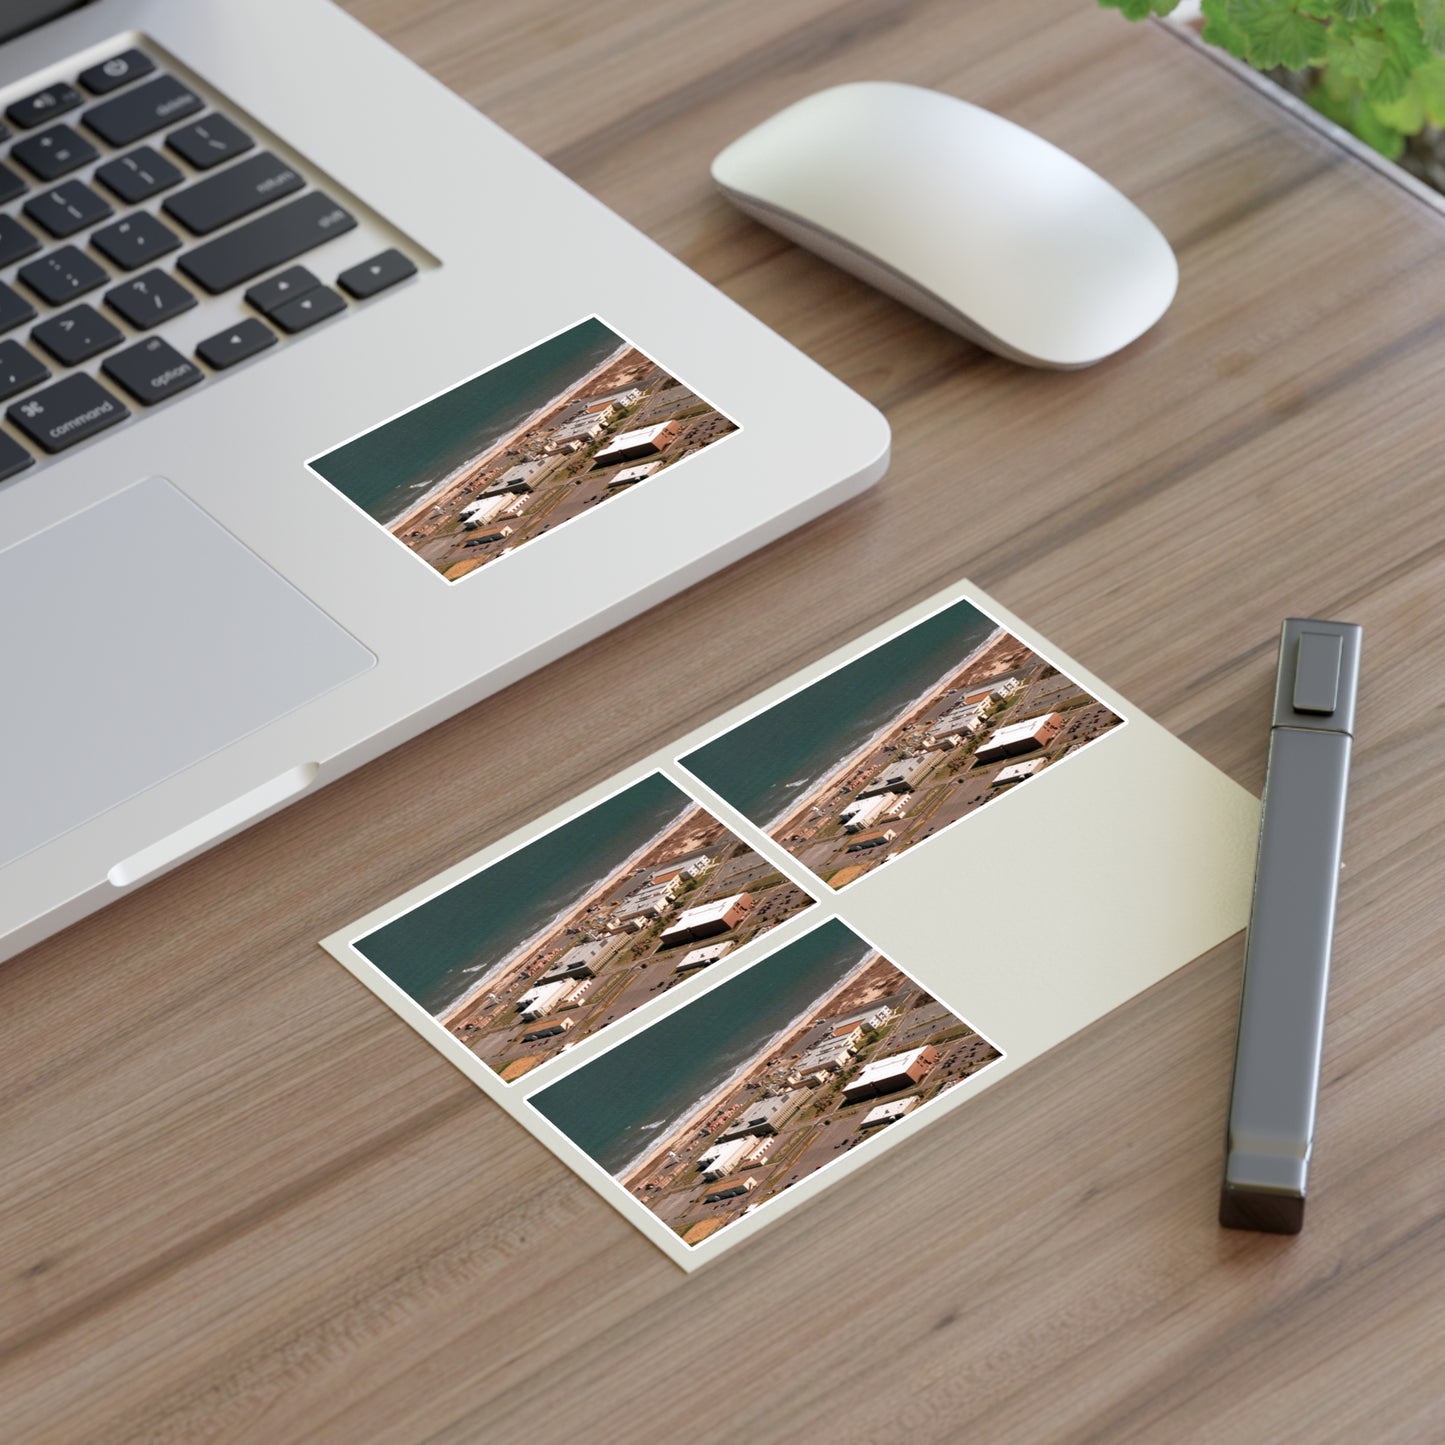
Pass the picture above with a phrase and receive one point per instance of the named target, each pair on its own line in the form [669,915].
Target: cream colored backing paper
[1128,858]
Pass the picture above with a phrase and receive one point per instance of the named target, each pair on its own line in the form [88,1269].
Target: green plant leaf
[1428,81]
[1406,115]
[1401,29]
[1377,134]
[1220,30]
[1140,9]
[1276,33]
[1431,17]
[1356,9]
[1355,56]
[1357,117]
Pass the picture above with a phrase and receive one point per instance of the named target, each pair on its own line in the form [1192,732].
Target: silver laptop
[326,409]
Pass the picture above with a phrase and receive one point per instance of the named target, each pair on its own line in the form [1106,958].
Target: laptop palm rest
[137,638]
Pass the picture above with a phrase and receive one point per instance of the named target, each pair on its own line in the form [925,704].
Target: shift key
[235,192]
[266,242]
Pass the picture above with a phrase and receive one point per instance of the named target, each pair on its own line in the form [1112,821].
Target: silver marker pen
[1291,926]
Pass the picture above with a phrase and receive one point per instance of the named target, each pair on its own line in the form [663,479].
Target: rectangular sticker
[726,1103]
[895,746]
[576,929]
[522,448]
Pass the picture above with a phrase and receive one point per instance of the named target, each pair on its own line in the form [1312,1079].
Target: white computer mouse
[967,217]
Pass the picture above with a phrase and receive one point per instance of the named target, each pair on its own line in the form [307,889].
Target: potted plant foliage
[1374,67]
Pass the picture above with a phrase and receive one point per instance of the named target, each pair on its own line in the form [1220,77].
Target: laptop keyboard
[129,201]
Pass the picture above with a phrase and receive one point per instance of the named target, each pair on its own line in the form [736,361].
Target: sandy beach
[655,1155]
[797,813]
[454,481]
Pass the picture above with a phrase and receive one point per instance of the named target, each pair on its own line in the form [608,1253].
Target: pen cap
[1319,671]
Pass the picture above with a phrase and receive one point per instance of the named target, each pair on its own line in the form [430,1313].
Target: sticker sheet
[767,954]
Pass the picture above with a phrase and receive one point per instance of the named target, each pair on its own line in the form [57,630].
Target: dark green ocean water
[763,766]
[616,1106]
[440,950]
[387,470]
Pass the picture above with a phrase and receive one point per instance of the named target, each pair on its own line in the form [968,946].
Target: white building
[580,428]
[704,957]
[1017,772]
[886,1076]
[520,478]
[765,1116]
[652,900]
[887,1113]
[584,960]
[538,1002]
[641,441]
[862,811]
[484,509]
[904,775]
[722,1158]
[830,1056]
[628,475]
[721,915]
[1021,737]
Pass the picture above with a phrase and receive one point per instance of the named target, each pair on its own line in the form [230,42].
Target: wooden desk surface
[242,1201]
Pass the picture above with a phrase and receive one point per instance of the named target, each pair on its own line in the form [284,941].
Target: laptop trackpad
[136,639]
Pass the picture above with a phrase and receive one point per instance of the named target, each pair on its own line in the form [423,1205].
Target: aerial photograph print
[898,744]
[522,449]
[787,1067]
[581,926]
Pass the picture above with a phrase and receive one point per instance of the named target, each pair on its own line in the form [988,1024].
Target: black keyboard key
[62,275]
[149,299]
[14,308]
[376,274]
[119,70]
[235,344]
[13,457]
[53,153]
[266,242]
[284,286]
[19,369]
[208,142]
[235,192]
[135,241]
[138,176]
[77,335]
[307,310]
[68,208]
[75,408]
[44,105]
[152,370]
[140,111]
[10,184]
[15,241]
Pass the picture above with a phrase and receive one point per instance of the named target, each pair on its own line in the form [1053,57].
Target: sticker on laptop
[523,448]
[897,745]
[581,926]
[812,1053]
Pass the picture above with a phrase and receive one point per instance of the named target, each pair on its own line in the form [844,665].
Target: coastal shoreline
[796,813]
[560,920]
[655,1153]
[458,475]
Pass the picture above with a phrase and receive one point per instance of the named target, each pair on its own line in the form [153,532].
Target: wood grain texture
[242,1201]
